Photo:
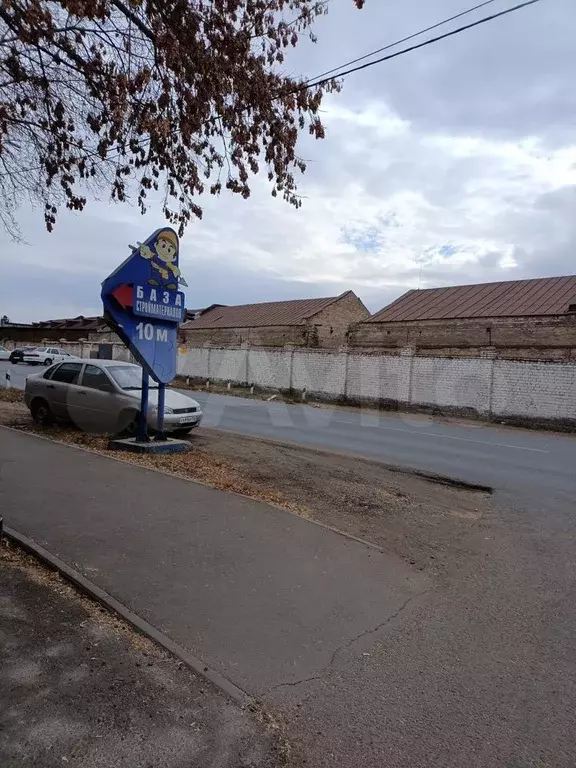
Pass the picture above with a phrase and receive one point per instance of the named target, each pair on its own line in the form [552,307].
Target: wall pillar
[489,353]
[289,350]
[207,346]
[345,351]
[409,352]
[246,345]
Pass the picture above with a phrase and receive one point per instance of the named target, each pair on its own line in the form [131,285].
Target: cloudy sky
[452,164]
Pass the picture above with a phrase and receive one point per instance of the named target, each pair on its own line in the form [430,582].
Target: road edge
[136,622]
[423,474]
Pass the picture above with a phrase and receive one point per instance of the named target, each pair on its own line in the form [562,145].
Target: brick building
[302,322]
[518,319]
[68,329]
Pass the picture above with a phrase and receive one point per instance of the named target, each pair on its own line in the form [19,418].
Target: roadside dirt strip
[421,519]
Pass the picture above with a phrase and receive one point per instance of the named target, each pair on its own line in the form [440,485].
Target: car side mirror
[106,388]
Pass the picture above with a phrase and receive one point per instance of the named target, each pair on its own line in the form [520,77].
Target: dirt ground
[144,708]
[421,520]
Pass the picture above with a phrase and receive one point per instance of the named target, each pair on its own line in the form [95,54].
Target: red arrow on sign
[123,295]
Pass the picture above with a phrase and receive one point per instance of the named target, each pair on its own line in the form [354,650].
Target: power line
[404,39]
[457,31]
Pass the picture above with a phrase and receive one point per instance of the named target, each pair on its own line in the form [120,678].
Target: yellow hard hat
[168,234]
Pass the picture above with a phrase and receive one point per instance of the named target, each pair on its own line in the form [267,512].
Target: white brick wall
[228,365]
[194,362]
[321,372]
[378,377]
[457,383]
[497,387]
[539,390]
[269,368]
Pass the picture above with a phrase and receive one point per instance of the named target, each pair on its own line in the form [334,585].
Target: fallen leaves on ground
[11,396]
[13,556]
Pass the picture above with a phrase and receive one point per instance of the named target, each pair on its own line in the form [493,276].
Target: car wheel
[128,423]
[48,361]
[41,412]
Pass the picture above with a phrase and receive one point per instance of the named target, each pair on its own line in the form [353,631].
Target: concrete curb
[140,625]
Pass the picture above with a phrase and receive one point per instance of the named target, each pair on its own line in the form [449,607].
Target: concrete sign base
[138,446]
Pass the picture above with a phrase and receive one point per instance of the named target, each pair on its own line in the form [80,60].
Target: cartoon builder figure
[164,261]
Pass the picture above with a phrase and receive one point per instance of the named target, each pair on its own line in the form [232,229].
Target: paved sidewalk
[260,595]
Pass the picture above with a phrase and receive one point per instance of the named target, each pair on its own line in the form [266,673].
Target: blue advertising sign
[142,302]
[158,304]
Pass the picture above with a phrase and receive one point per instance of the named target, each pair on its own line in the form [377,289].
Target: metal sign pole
[143,305]
[143,425]
[161,401]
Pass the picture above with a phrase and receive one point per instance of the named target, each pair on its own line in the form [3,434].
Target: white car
[4,353]
[46,356]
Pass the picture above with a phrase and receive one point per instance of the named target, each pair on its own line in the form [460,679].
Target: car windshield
[129,376]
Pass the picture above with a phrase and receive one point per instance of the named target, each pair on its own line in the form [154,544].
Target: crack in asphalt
[325,672]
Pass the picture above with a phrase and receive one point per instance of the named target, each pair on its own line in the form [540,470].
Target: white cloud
[455,203]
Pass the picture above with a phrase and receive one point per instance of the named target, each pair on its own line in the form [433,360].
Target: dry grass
[236,390]
[221,473]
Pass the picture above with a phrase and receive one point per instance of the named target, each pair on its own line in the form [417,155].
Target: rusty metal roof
[513,298]
[293,312]
[74,323]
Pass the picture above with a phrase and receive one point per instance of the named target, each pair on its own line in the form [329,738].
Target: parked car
[4,353]
[17,355]
[46,355]
[104,396]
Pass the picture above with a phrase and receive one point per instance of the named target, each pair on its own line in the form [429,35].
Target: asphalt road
[524,461]
[502,457]
[18,373]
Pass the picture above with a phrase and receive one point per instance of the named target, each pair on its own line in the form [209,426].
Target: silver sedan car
[104,396]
